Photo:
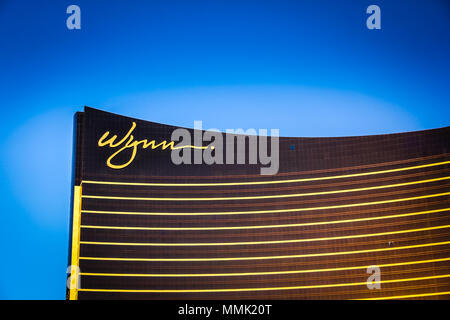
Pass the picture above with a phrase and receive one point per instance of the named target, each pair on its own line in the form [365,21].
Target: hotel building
[156,230]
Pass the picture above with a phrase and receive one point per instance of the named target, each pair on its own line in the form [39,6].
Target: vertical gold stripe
[75,243]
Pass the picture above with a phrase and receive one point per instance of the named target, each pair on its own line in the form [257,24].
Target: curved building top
[158,213]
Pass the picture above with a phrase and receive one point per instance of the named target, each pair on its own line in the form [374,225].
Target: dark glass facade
[156,230]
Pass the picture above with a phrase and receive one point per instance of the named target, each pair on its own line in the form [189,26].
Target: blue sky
[309,68]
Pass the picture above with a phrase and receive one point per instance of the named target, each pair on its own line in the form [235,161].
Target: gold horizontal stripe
[271,288]
[271,257]
[162,244]
[265,211]
[264,182]
[268,226]
[256,273]
[348,183]
[409,296]
[269,196]
[316,171]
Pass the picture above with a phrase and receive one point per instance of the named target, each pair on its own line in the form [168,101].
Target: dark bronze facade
[156,230]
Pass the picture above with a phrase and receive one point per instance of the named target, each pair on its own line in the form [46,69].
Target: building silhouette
[156,230]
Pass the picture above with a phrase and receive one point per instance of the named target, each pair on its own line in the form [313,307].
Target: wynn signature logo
[256,150]
[128,142]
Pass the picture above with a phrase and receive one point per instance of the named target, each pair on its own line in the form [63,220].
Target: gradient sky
[309,68]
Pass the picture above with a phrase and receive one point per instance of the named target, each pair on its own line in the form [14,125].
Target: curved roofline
[283,137]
